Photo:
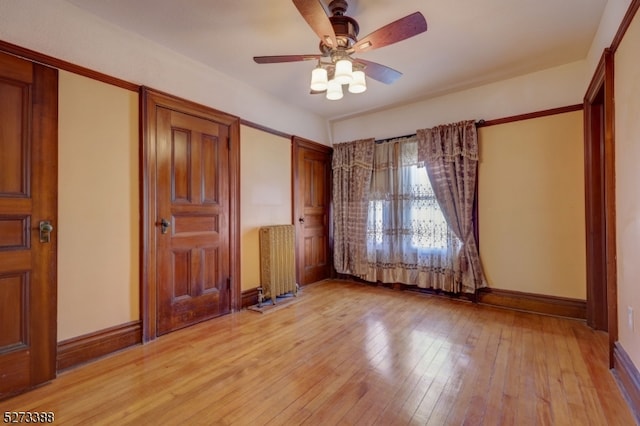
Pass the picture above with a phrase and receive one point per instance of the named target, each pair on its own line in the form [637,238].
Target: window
[408,239]
[425,225]
[391,227]
[429,228]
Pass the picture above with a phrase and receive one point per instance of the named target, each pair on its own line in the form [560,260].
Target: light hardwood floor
[348,353]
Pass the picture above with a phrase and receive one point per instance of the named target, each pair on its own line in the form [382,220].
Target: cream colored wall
[98,206]
[265,186]
[531,205]
[627,141]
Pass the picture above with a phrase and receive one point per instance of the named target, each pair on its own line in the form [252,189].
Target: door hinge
[228,142]
[229,283]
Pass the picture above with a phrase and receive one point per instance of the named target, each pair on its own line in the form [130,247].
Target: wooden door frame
[602,81]
[45,120]
[149,100]
[298,143]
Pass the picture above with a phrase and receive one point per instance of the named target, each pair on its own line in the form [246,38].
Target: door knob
[164,225]
[45,231]
[301,219]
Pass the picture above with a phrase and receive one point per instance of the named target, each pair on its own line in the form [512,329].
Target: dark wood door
[312,198]
[192,225]
[28,197]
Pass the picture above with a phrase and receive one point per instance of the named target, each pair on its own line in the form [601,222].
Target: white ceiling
[468,42]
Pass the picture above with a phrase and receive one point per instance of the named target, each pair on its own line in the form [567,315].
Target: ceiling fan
[339,42]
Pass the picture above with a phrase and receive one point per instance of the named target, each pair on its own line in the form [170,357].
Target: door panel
[312,167]
[193,197]
[28,194]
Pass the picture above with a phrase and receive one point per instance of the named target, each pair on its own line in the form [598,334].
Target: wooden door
[312,197]
[28,197]
[190,214]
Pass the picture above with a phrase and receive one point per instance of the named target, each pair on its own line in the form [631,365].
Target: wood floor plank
[543,412]
[432,378]
[379,354]
[453,404]
[559,404]
[383,391]
[594,346]
[470,409]
[404,347]
[350,354]
[440,323]
[435,402]
[495,393]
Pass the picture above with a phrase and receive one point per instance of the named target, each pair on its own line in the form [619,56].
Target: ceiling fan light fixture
[343,71]
[359,83]
[319,79]
[334,90]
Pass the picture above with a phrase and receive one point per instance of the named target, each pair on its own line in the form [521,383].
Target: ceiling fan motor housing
[345,28]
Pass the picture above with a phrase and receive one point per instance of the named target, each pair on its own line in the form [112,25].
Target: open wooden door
[191,168]
[312,213]
[28,217]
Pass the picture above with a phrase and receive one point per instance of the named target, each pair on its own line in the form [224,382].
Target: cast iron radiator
[277,262]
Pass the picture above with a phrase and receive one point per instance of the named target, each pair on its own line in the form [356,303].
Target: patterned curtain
[352,164]
[450,153]
[408,240]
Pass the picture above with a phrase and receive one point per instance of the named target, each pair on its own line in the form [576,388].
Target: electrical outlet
[630,318]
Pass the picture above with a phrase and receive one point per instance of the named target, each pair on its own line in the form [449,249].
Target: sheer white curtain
[408,240]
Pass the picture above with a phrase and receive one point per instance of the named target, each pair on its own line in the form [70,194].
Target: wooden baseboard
[249,297]
[82,349]
[541,304]
[628,378]
[528,302]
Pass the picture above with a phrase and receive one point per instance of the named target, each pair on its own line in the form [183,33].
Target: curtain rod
[395,137]
[478,123]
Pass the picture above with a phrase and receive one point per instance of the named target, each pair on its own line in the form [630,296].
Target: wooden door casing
[600,202]
[191,169]
[312,201]
[28,195]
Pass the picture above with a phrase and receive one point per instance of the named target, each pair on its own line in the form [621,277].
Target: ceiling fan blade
[315,15]
[284,58]
[394,32]
[379,72]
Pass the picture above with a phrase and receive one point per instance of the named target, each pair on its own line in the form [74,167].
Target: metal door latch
[45,231]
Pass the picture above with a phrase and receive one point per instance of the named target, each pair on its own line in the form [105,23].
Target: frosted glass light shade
[334,90]
[358,84]
[343,71]
[319,79]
